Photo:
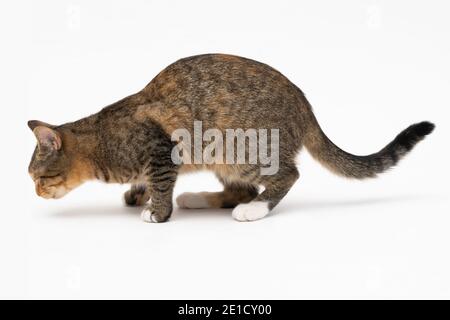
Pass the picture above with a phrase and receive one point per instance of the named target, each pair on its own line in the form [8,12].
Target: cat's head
[54,167]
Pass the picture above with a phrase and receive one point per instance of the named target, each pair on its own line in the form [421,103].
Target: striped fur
[130,140]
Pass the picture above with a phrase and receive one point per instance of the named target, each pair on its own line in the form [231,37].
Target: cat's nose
[45,192]
[39,190]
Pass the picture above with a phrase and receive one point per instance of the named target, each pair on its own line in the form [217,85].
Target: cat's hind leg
[276,187]
[232,195]
[138,195]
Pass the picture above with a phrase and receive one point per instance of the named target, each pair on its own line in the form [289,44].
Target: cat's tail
[360,167]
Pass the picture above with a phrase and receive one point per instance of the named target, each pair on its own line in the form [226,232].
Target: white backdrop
[369,68]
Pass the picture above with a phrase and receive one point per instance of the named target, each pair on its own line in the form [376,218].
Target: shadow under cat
[301,206]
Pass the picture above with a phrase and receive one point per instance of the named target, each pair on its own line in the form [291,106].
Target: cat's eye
[49,176]
[47,181]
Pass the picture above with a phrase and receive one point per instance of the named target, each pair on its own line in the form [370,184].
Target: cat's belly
[230,173]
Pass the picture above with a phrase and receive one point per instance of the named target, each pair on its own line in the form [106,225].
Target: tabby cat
[131,141]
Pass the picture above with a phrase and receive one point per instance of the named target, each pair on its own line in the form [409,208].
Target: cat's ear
[34,123]
[48,139]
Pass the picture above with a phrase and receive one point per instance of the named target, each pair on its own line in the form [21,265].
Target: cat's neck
[86,137]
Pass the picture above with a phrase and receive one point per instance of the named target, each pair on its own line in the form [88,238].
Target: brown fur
[129,141]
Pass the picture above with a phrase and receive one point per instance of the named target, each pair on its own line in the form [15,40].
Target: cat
[131,141]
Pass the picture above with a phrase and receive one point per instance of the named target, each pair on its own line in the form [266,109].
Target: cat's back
[205,75]
[226,90]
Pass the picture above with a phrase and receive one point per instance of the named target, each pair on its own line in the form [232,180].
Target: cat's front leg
[138,195]
[160,186]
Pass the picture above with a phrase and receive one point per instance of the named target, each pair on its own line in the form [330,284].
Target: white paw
[148,216]
[251,211]
[190,200]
